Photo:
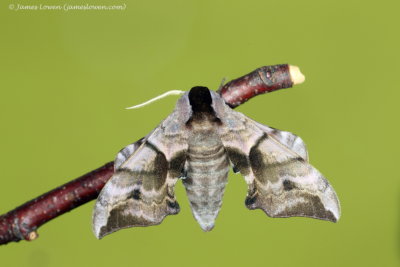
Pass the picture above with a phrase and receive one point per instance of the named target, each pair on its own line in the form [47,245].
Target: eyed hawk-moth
[198,143]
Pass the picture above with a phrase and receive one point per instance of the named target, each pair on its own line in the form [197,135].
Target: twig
[263,80]
[22,222]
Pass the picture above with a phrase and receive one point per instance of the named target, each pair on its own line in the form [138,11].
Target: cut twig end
[32,236]
[296,75]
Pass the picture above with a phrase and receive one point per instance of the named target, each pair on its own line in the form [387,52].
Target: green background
[66,78]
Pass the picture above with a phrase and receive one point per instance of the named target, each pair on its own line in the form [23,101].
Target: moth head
[200,99]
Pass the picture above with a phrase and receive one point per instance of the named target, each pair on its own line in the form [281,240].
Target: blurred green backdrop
[66,78]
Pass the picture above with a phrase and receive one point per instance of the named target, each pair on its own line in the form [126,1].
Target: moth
[198,144]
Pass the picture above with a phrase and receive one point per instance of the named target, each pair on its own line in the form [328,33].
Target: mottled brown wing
[141,192]
[288,139]
[281,181]
[126,152]
[285,185]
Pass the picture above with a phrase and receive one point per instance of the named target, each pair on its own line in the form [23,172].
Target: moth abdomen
[207,172]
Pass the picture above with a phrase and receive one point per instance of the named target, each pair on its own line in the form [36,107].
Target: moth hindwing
[199,142]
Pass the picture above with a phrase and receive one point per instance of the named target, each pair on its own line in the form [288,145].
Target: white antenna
[172,92]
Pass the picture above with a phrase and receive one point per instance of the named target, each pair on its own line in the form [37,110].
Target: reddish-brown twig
[263,80]
[22,222]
